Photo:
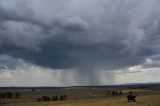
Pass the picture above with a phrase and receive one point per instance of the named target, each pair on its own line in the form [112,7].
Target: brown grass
[145,98]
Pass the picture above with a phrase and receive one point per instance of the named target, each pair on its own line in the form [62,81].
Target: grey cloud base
[84,35]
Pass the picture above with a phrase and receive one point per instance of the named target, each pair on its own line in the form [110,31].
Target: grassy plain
[86,97]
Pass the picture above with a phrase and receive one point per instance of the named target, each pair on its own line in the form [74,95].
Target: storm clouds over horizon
[79,42]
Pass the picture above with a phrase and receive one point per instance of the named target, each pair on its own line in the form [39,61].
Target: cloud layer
[86,36]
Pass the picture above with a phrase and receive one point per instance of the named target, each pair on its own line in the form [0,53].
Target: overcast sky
[79,42]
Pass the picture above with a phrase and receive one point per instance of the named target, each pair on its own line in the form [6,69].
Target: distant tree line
[53,98]
[9,95]
[114,92]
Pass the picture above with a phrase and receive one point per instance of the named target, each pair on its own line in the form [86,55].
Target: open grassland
[94,98]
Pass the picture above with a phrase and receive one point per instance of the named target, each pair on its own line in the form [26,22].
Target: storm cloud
[87,36]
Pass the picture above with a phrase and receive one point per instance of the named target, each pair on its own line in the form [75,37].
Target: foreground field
[145,98]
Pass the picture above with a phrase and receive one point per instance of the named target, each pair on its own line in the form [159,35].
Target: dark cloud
[93,34]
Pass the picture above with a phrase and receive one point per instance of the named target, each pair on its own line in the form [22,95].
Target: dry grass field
[85,97]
